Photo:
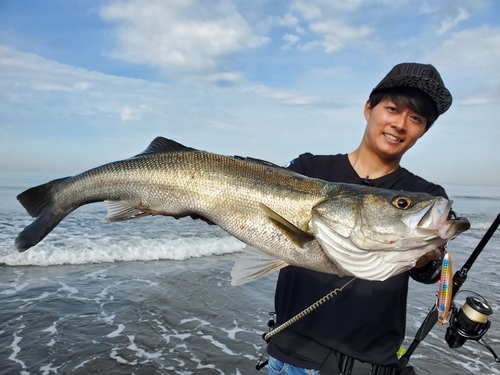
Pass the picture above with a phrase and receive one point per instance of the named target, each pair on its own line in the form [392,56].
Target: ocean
[153,296]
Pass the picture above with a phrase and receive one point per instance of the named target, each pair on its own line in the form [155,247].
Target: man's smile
[392,137]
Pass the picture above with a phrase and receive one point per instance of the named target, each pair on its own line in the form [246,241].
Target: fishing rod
[471,321]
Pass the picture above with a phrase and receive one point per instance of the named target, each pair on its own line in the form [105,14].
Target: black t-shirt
[367,320]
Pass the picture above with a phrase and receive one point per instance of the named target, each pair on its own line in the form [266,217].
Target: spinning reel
[470,322]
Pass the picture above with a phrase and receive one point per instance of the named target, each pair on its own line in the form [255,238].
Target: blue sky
[87,82]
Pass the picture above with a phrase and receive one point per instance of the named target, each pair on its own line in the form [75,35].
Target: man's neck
[369,165]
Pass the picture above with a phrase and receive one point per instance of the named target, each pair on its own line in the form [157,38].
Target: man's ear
[368,109]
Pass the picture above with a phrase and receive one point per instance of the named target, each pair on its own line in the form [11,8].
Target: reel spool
[470,323]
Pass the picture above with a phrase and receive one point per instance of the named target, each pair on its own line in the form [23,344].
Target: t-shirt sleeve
[418,184]
[300,164]
[437,190]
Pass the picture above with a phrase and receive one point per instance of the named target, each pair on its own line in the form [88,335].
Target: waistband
[328,361]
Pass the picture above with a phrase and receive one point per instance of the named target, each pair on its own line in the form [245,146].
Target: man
[360,329]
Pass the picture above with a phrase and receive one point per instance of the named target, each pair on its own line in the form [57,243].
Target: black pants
[329,361]
[409,370]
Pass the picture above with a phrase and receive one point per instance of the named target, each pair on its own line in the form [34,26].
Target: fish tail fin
[38,202]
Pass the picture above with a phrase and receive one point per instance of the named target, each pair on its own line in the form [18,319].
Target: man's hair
[413,98]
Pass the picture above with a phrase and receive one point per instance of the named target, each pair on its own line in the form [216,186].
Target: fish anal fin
[202,218]
[293,233]
[121,211]
[253,264]
[161,145]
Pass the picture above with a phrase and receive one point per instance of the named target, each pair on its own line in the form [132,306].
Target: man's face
[392,129]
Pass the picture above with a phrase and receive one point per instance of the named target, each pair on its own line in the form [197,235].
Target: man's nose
[399,123]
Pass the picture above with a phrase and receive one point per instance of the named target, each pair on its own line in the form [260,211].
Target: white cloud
[78,86]
[53,113]
[290,40]
[59,89]
[337,35]
[128,113]
[224,78]
[470,58]
[69,79]
[451,6]
[188,34]
[307,10]
[283,96]
[308,46]
[289,97]
[428,7]
[328,20]
[471,52]
[235,120]
[288,20]
[450,22]
[325,8]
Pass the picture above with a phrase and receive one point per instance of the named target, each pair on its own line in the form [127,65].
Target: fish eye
[402,202]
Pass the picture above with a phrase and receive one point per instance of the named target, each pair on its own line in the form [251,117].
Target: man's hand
[431,255]
[427,270]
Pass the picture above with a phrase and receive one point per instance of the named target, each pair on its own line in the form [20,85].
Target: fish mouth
[432,217]
[454,224]
[438,217]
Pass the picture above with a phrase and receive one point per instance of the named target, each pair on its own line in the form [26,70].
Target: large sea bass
[329,227]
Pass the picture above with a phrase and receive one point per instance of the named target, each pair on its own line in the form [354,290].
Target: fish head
[377,233]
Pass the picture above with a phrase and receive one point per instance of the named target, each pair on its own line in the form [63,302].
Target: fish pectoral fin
[253,264]
[121,211]
[294,234]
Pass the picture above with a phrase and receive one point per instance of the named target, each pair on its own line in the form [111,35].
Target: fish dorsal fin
[294,234]
[253,264]
[161,145]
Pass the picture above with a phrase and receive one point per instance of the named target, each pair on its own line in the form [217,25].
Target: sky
[87,82]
